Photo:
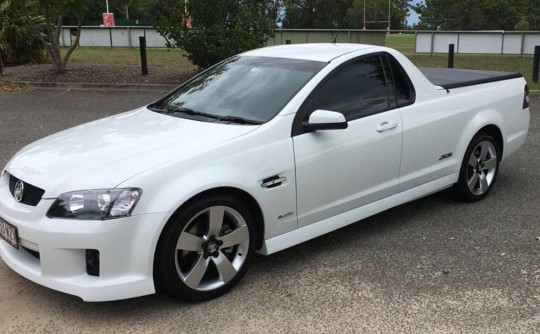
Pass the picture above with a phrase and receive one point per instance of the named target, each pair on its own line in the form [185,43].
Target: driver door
[340,170]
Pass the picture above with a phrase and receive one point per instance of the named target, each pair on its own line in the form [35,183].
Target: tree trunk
[74,45]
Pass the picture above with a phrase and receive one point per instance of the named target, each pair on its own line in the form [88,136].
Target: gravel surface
[434,265]
[92,73]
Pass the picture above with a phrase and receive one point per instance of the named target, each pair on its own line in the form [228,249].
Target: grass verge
[159,57]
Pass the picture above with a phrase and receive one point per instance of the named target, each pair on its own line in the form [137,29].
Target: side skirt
[306,233]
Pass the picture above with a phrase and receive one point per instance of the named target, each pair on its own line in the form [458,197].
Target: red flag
[186,20]
[108,20]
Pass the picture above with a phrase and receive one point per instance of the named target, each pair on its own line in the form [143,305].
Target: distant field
[402,42]
[406,44]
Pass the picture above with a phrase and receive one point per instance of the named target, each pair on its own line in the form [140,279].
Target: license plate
[9,233]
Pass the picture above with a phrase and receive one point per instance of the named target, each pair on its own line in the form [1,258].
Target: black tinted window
[357,89]
[402,86]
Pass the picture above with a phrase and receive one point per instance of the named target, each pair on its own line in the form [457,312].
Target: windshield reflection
[246,89]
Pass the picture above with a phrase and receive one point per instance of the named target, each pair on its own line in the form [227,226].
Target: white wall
[115,37]
[480,42]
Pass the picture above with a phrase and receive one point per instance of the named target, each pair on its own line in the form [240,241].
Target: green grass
[405,43]
[506,63]
[159,57]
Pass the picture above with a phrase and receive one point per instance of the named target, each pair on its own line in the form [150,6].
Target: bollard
[536,61]
[142,47]
[450,55]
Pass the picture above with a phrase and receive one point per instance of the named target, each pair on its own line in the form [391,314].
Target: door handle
[385,126]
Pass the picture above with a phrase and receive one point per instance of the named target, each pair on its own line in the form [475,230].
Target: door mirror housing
[325,120]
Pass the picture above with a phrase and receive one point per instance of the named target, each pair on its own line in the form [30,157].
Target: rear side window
[358,89]
[403,89]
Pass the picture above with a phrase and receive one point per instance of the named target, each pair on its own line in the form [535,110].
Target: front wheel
[205,250]
[479,168]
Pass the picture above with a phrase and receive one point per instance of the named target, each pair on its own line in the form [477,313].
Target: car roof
[310,51]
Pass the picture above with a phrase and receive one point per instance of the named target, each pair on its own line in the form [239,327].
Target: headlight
[95,204]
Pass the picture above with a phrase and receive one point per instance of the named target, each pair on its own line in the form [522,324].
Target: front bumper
[126,250]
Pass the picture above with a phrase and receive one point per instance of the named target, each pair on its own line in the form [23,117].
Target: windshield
[243,89]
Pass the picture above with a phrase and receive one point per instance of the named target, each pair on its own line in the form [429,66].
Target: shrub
[221,28]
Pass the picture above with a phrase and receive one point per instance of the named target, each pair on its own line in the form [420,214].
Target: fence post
[536,62]
[142,47]
[450,55]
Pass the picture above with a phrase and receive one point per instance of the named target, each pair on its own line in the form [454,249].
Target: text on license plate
[9,233]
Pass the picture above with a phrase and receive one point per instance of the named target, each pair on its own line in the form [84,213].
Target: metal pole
[364,14]
[107,2]
[450,55]
[536,63]
[142,47]
[388,29]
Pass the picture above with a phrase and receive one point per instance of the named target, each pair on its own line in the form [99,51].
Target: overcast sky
[413,17]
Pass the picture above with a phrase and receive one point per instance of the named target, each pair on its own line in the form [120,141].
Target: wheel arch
[496,133]
[229,192]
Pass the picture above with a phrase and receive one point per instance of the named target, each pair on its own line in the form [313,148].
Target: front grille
[31,194]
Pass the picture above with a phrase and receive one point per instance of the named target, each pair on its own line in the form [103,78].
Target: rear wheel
[479,168]
[206,249]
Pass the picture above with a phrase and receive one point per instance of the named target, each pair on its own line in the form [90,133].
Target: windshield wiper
[239,120]
[188,111]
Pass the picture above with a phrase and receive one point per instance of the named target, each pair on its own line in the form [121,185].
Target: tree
[53,13]
[323,14]
[316,14]
[522,25]
[476,15]
[221,28]
[377,14]
[19,42]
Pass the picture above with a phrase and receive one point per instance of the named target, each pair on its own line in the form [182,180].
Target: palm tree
[19,40]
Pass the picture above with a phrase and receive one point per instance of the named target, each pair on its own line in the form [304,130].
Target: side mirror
[325,120]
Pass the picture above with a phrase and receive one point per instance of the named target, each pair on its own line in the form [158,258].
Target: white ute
[261,152]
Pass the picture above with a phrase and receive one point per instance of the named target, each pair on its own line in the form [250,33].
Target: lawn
[159,57]
[403,42]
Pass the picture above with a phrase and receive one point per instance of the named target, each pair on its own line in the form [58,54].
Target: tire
[205,249]
[479,168]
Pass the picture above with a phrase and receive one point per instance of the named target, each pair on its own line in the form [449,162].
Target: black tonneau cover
[452,78]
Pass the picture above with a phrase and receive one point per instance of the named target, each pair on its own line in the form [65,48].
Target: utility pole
[364,14]
[388,28]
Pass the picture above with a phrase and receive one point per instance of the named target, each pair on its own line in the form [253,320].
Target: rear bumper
[517,139]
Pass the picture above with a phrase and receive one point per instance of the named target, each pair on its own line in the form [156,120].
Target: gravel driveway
[434,265]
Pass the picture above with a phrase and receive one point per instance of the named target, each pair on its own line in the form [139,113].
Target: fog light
[92,262]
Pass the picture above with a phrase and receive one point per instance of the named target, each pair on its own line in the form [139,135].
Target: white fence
[117,37]
[129,36]
[482,42]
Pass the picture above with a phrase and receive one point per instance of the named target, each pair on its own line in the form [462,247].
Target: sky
[413,17]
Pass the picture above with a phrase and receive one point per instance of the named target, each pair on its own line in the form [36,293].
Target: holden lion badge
[19,190]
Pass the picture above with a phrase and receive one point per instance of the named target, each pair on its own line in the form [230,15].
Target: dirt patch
[92,73]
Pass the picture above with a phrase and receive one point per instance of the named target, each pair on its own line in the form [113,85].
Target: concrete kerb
[97,86]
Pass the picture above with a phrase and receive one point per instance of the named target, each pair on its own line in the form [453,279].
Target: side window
[403,89]
[357,90]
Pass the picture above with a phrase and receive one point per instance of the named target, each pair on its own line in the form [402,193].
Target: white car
[261,152]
